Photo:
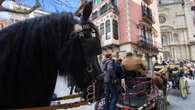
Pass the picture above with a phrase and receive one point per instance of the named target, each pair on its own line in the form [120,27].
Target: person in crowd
[118,69]
[181,68]
[163,63]
[111,92]
[193,69]
[191,73]
[133,65]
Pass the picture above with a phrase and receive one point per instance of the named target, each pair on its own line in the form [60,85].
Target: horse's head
[82,65]
[88,80]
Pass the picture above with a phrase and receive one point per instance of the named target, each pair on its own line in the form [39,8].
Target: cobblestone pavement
[177,103]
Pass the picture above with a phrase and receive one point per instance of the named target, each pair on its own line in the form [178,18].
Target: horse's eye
[77,28]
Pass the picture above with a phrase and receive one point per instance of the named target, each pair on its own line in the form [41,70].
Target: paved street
[177,103]
[126,37]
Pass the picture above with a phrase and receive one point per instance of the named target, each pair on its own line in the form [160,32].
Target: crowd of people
[179,66]
[132,66]
[114,71]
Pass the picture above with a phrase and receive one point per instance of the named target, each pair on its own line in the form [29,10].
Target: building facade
[177,25]
[128,26]
[14,17]
[20,17]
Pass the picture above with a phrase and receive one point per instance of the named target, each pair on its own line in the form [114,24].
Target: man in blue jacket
[110,86]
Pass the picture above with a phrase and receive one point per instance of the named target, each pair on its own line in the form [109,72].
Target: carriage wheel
[99,105]
[187,87]
[183,88]
[160,104]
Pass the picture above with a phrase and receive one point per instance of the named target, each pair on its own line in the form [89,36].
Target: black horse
[33,52]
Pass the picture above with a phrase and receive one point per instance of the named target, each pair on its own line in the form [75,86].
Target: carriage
[175,78]
[141,90]
[140,93]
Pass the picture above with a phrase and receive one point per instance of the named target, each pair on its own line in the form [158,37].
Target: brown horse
[135,63]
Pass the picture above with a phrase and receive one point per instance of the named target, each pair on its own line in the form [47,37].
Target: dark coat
[108,69]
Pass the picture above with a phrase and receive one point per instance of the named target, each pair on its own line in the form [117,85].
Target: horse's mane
[33,51]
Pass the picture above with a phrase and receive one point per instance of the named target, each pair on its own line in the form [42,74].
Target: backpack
[118,71]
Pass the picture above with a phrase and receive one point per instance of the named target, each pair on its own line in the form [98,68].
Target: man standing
[110,86]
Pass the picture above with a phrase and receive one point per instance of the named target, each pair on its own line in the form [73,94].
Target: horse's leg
[71,89]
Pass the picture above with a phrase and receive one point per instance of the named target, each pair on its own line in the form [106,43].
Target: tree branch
[21,11]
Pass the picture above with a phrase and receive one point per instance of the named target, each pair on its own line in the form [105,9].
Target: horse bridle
[90,98]
[85,10]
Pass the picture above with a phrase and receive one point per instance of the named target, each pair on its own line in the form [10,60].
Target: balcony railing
[147,14]
[94,15]
[105,8]
[147,43]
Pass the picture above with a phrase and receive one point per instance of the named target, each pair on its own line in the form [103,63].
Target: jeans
[111,94]
[173,80]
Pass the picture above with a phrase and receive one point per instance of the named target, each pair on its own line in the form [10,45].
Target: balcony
[148,2]
[104,9]
[114,8]
[147,43]
[142,42]
[94,15]
[147,15]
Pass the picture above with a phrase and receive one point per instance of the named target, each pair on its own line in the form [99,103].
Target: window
[175,37]
[173,52]
[103,9]
[107,29]
[102,29]
[143,31]
[114,2]
[107,26]
[171,37]
[162,19]
[115,29]
[164,39]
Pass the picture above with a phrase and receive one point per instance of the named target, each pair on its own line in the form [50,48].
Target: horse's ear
[87,10]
